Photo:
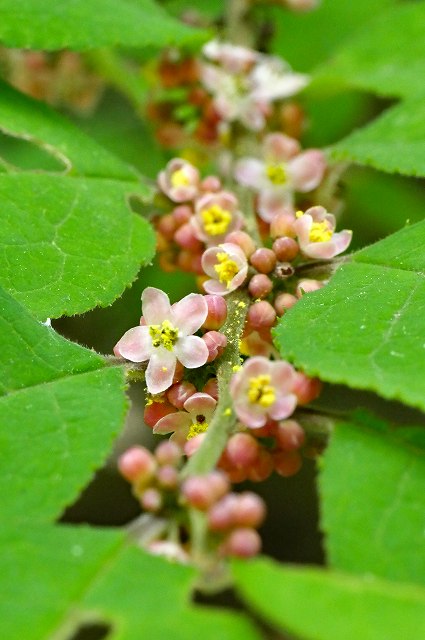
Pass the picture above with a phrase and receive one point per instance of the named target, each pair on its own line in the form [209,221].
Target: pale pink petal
[302,226]
[306,170]
[283,407]
[278,147]
[319,213]
[200,403]
[189,313]
[135,345]
[209,260]
[283,375]
[274,202]
[160,370]
[216,288]
[250,172]
[251,415]
[191,351]
[156,306]
[257,366]
[327,250]
[173,422]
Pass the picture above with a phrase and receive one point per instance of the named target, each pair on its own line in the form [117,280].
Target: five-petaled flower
[316,237]
[263,389]
[165,337]
[198,410]
[227,266]
[216,215]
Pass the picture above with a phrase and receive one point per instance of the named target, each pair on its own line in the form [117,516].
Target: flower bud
[168,452]
[250,510]
[264,260]
[285,248]
[221,515]
[216,343]
[212,388]
[178,393]
[137,464]
[181,214]
[261,314]
[192,445]
[307,286]
[242,450]
[151,499]
[262,468]
[168,476]
[167,226]
[155,411]
[260,286]
[283,302]
[199,492]
[306,389]
[287,463]
[217,312]
[243,240]
[185,238]
[282,225]
[290,435]
[211,183]
[242,543]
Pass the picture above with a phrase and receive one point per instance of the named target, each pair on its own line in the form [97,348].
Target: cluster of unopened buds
[232,518]
[249,245]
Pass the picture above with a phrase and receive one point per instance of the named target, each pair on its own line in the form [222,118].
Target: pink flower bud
[242,450]
[168,452]
[261,314]
[262,468]
[137,464]
[155,411]
[212,388]
[219,484]
[191,446]
[250,510]
[290,435]
[306,389]
[168,476]
[217,312]
[242,543]
[283,302]
[216,343]
[285,248]
[260,286]
[221,515]
[151,500]
[211,183]
[243,240]
[167,226]
[178,393]
[199,492]
[185,238]
[264,260]
[181,214]
[287,463]
[307,286]
[282,225]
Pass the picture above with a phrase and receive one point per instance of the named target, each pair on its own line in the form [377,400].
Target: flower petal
[135,345]
[283,407]
[201,403]
[173,422]
[306,170]
[156,306]
[160,371]
[191,351]
[216,288]
[189,313]
[250,172]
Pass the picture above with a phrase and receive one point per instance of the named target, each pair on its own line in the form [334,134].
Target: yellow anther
[298,214]
[261,391]
[196,428]
[226,268]
[164,335]
[151,398]
[320,232]
[276,173]
[216,220]
[179,178]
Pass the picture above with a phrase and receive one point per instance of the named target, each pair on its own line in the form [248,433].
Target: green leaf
[69,244]
[394,142]
[372,484]
[306,39]
[60,407]
[387,57]
[23,117]
[82,25]
[363,329]
[323,605]
[101,580]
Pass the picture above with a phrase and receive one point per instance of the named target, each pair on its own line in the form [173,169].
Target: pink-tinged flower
[315,231]
[166,337]
[245,83]
[197,414]
[262,389]
[283,171]
[180,180]
[216,215]
[227,266]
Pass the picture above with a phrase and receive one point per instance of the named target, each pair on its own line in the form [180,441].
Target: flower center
[200,426]
[320,232]
[261,391]
[164,335]
[276,173]
[179,178]
[216,220]
[226,268]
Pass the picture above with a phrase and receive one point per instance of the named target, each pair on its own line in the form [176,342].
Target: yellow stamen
[320,232]
[164,335]
[276,173]
[261,391]
[151,398]
[226,268]
[179,178]
[197,427]
[216,220]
